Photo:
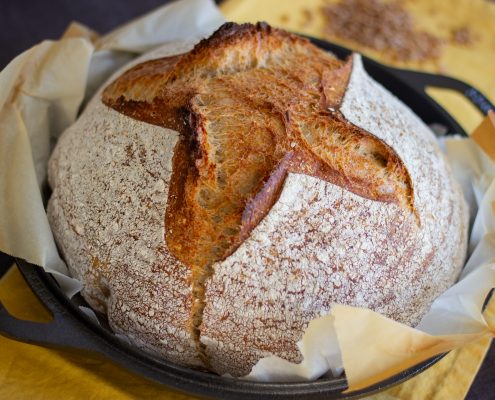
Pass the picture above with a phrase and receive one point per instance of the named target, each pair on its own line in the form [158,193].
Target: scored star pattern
[251,104]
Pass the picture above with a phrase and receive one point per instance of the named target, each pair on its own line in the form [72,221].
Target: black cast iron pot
[71,328]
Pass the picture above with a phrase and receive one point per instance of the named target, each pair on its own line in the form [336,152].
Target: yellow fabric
[32,372]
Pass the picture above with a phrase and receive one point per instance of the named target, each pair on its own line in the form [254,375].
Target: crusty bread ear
[136,93]
[252,103]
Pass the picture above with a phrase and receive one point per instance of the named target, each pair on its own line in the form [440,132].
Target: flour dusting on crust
[109,220]
[321,244]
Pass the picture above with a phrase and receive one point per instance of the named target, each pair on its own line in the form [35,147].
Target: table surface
[28,22]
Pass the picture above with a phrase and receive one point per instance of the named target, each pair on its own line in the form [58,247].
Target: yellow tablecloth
[32,372]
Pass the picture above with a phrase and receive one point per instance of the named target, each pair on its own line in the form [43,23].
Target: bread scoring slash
[215,202]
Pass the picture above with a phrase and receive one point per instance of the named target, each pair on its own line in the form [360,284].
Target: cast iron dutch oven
[71,328]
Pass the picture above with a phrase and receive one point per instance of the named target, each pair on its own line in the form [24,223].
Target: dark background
[23,23]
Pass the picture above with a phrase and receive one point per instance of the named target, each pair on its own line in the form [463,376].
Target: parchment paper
[40,94]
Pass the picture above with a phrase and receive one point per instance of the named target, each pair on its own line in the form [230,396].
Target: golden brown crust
[281,92]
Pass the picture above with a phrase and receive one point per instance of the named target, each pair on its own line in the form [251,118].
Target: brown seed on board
[383,26]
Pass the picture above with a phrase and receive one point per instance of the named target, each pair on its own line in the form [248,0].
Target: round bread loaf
[214,202]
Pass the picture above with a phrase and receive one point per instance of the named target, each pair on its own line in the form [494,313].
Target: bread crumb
[462,36]
[308,17]
[284,19]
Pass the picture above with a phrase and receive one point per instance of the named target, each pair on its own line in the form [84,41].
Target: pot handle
[421,80]
[417,81]
[47,334]
[64,329]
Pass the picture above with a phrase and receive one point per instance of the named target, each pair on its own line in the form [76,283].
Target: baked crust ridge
[202,92]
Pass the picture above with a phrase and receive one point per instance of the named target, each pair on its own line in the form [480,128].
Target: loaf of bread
[214,202]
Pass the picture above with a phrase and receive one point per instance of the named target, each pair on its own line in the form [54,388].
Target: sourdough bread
[215,202]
